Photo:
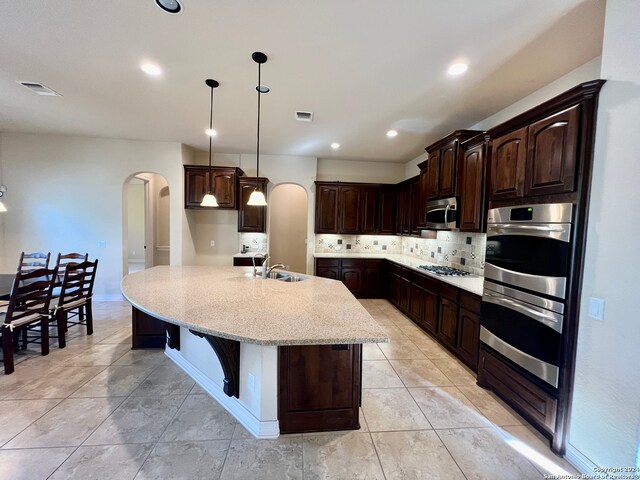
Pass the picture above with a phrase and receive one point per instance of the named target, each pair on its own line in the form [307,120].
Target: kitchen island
[282,357]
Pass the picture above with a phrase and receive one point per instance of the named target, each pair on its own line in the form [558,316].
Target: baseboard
[135,260]
[108,298]
[581,463]
[268,429]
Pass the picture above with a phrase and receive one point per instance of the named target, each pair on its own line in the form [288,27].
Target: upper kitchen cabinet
[439,172]
[224,183]
[471,184]
[388,198]
[251,218]
[542,151]
[351,208]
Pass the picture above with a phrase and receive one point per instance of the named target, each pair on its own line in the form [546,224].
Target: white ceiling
[362,67]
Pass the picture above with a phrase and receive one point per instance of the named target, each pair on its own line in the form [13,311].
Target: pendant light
[209,200]
[257,198]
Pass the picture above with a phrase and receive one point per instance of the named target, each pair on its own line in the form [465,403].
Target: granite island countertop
[231,303]
[470,283]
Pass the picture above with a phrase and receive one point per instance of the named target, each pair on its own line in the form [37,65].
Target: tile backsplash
[461,250]
[257,242]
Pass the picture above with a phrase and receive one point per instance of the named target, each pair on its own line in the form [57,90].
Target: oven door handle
[550,319]
[560,232]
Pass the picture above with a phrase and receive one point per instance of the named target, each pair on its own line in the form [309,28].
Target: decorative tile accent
[468,240]
[339,241]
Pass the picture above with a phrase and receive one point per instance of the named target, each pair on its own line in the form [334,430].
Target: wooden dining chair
[33,261]
[65,259]
[28,305]
[73,306]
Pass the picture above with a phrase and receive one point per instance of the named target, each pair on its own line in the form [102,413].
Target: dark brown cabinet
[251,218]
[370,209]
[363,278]
[327,208]
[508,157]
[424,302]
[448,168]
[471,184]
[349,210]
[405,208]
[416,208]
[431,172]
[351,275]
[468,337]
[387,222]
[448,325]
[328,268]
[319,387]
[224,185]
[372,278]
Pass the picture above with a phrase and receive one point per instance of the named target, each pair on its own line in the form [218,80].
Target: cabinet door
[350,210]
[424,186]
[430,318]
[416,208]
[224,188]
[433,175]
[352,278]
[196,184]
[448,322]
[327,209]
[406,212]
[387,210]
[369,198]
[405,295]
[395,289]
[328,268]
[418,300]
[251,218]
[400,211]
[551,154]
[372,282]
[508,159]
[448,166]
[472,175]
[468,346]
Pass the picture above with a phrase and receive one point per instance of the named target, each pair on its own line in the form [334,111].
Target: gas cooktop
[444,271]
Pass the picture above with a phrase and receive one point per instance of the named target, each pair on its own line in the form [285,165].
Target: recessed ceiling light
[392,133]
[458,68]
[335,145]
[211,132]
[151,69]
[170,6]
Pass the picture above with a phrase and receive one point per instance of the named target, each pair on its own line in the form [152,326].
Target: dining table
[6,282]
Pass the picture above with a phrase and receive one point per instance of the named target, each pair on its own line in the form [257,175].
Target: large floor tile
[389,409]
[420,373]
[122,335]
[142,357]
[394,333]
[401,351]
[415,456]
[455,371]
[447,407]
[114,381]
[379,374]
[482,453]
[339,456]
[16,415]
[101,354]
[32,464]
[165,380]
[67,424]
[200,418]
[58,383]
[185,461]
[371,351]
[110,462]
[491,406]
[137,420]
[264,459]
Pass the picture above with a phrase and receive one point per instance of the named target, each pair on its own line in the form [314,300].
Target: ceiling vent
[39,88]
[304,116]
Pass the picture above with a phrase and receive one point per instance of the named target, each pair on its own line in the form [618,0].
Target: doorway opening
[145,229]
[288,226]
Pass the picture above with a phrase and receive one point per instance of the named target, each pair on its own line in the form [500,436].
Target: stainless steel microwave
[442,214]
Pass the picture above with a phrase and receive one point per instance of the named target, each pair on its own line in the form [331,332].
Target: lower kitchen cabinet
[351,275]
[424,302]
[328,268]
[468,337]
[363,278]
[448,325]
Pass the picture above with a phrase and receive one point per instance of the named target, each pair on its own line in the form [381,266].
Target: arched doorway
[288,226]
[145,222]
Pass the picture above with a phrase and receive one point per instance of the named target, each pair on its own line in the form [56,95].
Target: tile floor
[98,410]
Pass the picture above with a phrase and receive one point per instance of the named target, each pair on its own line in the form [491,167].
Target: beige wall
[66,194]
[351,171]
[605,417]
[135,220]
[288,226]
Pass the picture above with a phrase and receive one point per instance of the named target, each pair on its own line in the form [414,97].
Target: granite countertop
[470,283]
[231,303]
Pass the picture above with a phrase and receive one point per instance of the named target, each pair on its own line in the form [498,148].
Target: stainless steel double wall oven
[527,269]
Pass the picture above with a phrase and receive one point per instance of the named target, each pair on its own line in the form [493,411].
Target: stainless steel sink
[278,275]
[286,277]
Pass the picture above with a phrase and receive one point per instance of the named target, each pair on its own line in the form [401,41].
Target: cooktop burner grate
[444,271]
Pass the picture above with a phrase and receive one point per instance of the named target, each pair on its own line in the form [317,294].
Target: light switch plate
[213,243]
[596,308]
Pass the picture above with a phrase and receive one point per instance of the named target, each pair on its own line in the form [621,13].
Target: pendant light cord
[258,134]
[210,140]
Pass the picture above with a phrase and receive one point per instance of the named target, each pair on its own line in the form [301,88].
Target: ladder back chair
[33,261]
[28,305]
[74,301]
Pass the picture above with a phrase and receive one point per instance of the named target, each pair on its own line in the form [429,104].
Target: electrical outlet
[213,243]
[251,383]
[596,308]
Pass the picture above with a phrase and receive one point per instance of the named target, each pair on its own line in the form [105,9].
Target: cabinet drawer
[526,397]
[395,269]
[373,263]
[428,283]
[449,291]
[470,301]
[327,262]
[351,263]
[406,273]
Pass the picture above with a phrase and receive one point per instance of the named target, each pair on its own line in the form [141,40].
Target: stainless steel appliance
[444,271]
[442,214]
[526,273]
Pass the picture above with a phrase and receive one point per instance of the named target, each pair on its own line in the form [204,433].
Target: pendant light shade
[4,209]
[209,199]
[257,198]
